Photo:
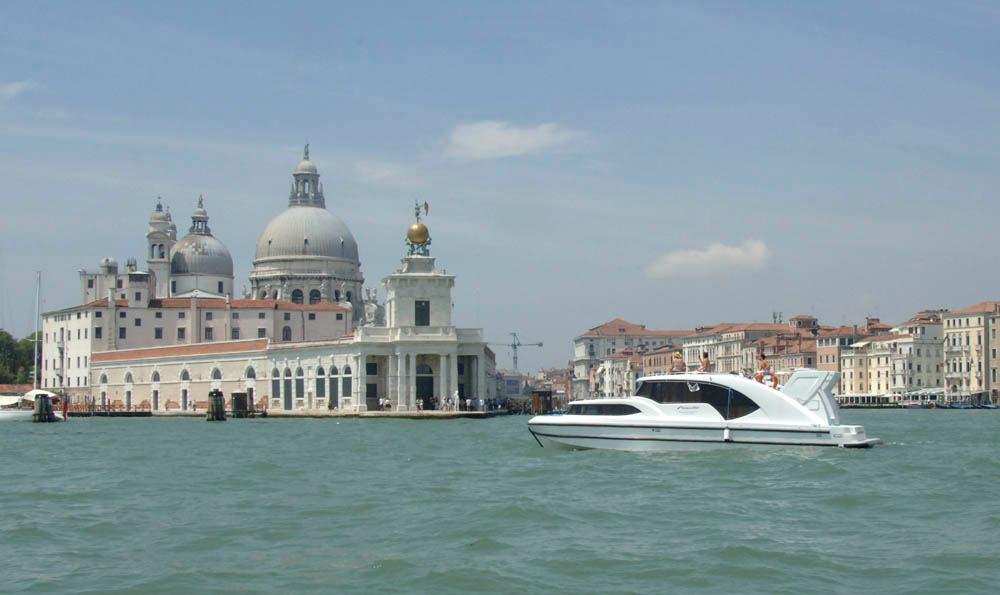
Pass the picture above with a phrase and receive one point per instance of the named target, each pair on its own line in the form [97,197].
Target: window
[121,332]
[90,283]
[261,333]
[340,316]
[286,333]
[137,322]
[138,296]
[312,316]
[287,316]
[421,313]
[208,316]
[182,315]
[158,315]
[173,287]
[729,403]
[616,409]
[297,296]
[208,333]
[181,334]
[121,315]
[98,333]
[371,368]
[98,314]
[158,333]
[314,296]
[260,316]
[220,288]
[236,315]
[118,284]
[235,334]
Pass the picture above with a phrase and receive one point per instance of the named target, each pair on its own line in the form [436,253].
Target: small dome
[307,230]
[306,167]
[158,215]
[199,254]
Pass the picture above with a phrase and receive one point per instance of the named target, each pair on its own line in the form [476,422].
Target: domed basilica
[307,254]
[304,337]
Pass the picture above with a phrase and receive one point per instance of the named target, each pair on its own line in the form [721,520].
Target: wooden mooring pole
[216,406]
[43,410]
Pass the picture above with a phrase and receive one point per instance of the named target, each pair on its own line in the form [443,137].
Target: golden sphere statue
[418,234]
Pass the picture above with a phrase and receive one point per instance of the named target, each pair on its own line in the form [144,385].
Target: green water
[180,505]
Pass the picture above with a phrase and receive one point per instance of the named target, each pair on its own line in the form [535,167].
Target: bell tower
[306,187]
[159,241]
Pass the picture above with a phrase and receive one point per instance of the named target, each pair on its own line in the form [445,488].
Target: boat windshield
[602,409]
[728,402]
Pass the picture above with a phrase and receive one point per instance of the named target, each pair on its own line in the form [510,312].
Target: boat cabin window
[729,403]
[600,409]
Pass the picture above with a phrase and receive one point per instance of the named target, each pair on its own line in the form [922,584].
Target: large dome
[199,254]
[307,231]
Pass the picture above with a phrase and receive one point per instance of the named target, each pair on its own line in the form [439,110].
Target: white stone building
[970,353]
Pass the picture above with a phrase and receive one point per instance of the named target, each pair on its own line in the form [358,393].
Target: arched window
[300,384]
[314,296]
[297,296]
[155,377]
[286,333]
[128,377]
[286,386]
[185,376]
[216,374]
[346,382]
[250,373]
[320,383]
[104,379]
[336,295]
[163,251]
[275,383]
[263,295]
[348,296]
[424,370]
[152,250]
[334,386]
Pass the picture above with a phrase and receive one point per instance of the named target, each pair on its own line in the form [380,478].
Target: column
[362,382]
[453,374]
[480,378]
[401,401]
[411,380]
[443,378]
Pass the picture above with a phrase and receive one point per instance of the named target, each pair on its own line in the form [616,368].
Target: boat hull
[650,437]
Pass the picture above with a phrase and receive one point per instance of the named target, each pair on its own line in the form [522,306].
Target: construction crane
[514,344]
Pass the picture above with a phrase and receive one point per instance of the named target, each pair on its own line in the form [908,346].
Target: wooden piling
[43,410]
[240,405]
[216,406]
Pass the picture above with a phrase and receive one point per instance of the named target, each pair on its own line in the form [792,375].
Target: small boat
[23,408]
[695,410]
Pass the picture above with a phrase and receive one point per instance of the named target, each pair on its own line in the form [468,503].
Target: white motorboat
[14,408]
[695,410]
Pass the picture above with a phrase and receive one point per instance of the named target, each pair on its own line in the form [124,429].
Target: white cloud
[493,140]
[15,88]
[750,255]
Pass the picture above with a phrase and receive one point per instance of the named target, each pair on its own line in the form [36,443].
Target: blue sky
[671,163]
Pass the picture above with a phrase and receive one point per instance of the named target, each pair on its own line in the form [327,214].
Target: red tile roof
[219,347]
[622,328]
[987,307]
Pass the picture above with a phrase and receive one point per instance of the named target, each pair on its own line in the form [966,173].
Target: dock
[305,414]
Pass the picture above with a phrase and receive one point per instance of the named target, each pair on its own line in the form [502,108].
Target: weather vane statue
[418,237]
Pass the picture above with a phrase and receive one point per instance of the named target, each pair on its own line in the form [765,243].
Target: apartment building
[970,353]
[607,339]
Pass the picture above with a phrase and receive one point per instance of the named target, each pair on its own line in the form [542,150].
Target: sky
[675,164]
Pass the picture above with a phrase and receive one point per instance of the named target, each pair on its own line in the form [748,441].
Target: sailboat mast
[38,298]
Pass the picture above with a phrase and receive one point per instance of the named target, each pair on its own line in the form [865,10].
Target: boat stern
[852,437]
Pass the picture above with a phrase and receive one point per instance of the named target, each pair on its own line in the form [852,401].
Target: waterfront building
[970,353]
[732,347]
[617,373]
[787,352]
[606,339]
[510,384]
[309,332]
